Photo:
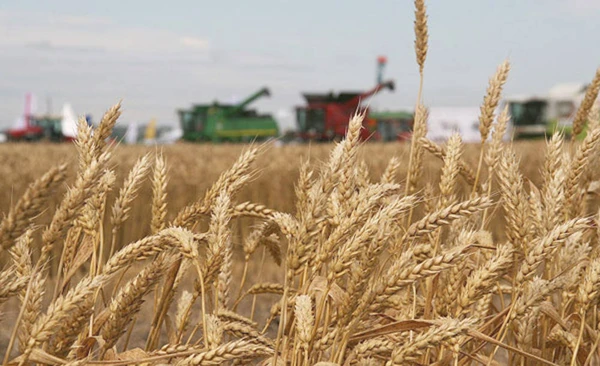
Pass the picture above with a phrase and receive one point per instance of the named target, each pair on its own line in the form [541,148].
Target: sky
[158,56]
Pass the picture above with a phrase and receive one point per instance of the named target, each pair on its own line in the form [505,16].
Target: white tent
[170,136]
[131,135]
[444,121]
[69,121]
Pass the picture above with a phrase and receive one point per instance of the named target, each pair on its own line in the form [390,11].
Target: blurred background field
[193,168]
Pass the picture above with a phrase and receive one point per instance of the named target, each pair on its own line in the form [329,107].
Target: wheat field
[193,168]
[344,254]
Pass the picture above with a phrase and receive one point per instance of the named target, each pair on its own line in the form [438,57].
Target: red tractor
[326,116]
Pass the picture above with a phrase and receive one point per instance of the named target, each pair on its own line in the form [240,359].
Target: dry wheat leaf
[269,362]
[133,354]
[594,187]
[83,254]
[399,326]
[40,356]
[88,344]
[336,293]
[548,308]
[483,337]
[110,355]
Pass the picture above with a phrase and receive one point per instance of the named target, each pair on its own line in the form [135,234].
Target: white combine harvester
[535,116]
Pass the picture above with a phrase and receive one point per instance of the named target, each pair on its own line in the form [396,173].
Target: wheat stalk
[591,94]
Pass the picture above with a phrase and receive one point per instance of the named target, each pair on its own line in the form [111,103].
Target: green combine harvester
[228,123]
[393,125]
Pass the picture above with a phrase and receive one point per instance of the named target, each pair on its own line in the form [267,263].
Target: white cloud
[194,42]
[76,20]
[81,32]
[582,8]
[590,4]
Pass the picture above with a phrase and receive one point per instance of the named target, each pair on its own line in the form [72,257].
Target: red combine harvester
[326,116]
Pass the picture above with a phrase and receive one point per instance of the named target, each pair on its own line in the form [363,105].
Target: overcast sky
[162,55]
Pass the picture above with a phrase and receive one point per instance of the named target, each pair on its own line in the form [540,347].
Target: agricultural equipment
[538,116]
[227,122]
[48,127]
[26,129]
[148,134]
[393,125]
[326,116]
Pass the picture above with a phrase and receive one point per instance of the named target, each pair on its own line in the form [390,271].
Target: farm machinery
[537,116]
[393,125]
[218,122]
[44,127]
[326,116]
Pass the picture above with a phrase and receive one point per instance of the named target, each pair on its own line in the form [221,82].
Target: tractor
[218,122]
[326,116]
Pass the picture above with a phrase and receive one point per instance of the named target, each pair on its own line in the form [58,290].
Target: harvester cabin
[393,126]
[326,116]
